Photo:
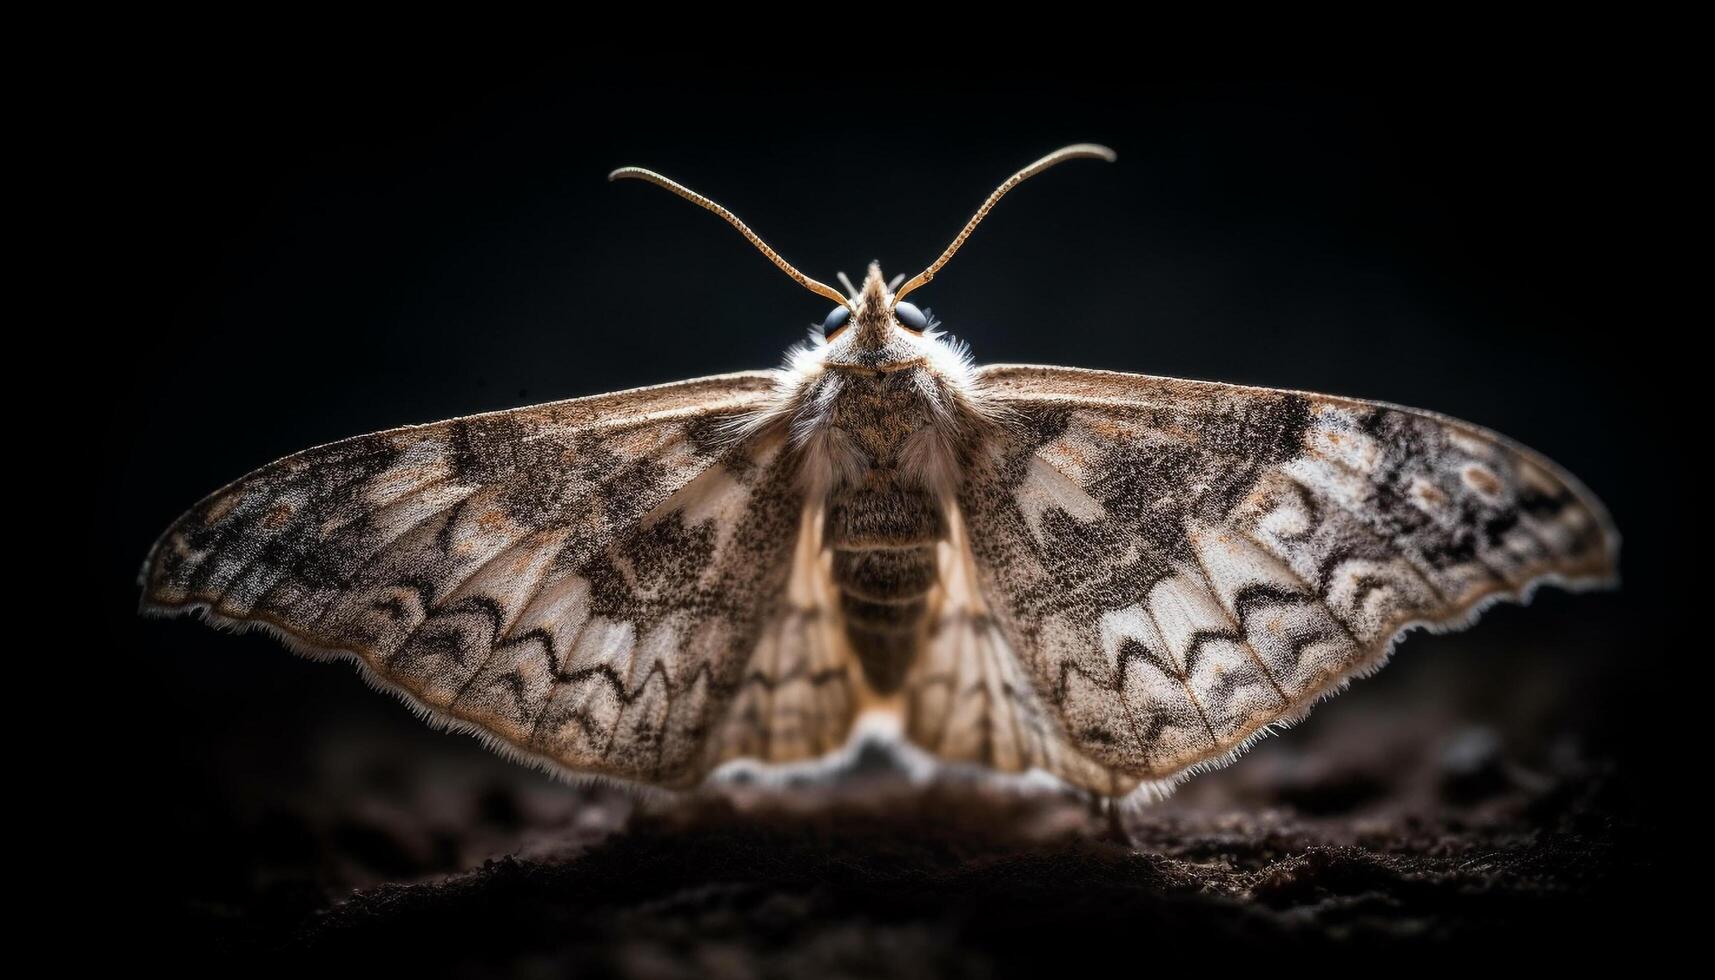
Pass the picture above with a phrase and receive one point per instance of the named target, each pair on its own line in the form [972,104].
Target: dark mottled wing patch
[582,583]
[1180,564]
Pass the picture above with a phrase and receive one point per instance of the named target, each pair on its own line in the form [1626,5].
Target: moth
[1114,579]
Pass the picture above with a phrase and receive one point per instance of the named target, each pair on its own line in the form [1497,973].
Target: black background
[308,252]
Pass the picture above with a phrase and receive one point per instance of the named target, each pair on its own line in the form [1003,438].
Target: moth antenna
[1077,151]
[819,288]
[846,282]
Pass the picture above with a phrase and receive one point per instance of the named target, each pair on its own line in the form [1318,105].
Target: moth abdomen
[869,616]
[886,655]
[884,587]
[888,516]
[885,574]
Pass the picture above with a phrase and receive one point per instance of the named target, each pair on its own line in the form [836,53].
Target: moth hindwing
[1112,578]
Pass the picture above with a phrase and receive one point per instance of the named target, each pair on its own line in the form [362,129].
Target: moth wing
[580,583]
[1178,565]
[970,699]
[798,697]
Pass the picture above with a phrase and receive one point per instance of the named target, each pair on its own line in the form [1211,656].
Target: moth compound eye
[911,317]
[836,320]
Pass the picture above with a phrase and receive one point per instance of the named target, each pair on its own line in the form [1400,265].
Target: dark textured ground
[1417,811]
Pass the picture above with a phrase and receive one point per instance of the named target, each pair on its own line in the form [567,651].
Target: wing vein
[1238,627]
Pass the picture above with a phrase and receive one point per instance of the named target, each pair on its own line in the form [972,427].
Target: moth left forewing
[1179,565]
[582,584]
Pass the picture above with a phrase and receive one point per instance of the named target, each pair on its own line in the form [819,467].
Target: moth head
[870,330]
[871,311]
[868,318]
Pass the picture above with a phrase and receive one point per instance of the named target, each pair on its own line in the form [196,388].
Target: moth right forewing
[1181,564]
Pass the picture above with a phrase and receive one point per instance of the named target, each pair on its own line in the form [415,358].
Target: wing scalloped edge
[434,717]
[1154,790]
